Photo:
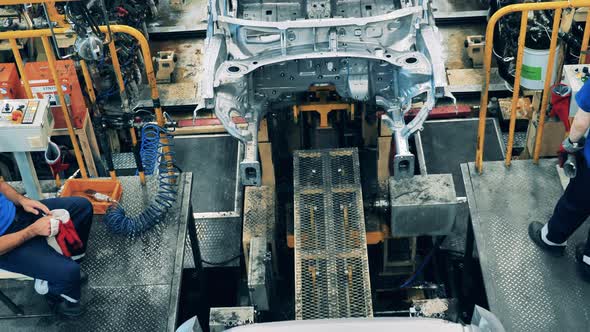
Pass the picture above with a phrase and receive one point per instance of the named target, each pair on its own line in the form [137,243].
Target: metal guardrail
[524,9]
[45,34]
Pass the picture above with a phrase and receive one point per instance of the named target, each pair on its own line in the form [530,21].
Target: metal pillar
[28,174]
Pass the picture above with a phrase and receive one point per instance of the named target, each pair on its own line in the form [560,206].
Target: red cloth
[68,238]
[58,167]
[560,106]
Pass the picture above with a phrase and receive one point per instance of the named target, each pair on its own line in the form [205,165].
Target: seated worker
[573,208]
[24,248]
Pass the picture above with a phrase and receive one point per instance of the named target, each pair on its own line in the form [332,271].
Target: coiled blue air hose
[156,152]
[150,148]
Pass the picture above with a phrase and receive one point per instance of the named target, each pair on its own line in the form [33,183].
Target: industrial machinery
[322,198]
[537,41]
[9,82]
[263,55]
[575,76]
[42,86]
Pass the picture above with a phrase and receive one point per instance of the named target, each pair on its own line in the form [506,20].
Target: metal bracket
[250,172]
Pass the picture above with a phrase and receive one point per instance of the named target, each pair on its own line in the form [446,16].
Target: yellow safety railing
[45,34]
[524,8]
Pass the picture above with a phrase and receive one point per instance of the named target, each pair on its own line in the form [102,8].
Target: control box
[575,76]
[42,85]
[25,125]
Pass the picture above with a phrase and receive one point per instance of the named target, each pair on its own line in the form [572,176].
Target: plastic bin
[77,187]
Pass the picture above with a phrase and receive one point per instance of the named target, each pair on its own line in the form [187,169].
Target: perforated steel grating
[259,212]
[331,266]
[259,215]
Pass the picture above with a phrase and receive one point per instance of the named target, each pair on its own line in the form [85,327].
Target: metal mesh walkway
[526,289]
[331,266]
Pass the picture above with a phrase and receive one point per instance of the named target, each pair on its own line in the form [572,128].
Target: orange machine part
[10,87]
[41,82]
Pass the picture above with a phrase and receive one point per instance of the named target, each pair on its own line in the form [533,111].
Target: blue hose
[150,148]
[420,269]
[154,141]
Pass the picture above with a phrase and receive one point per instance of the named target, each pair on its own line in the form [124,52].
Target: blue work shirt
[7,212]
[583,101]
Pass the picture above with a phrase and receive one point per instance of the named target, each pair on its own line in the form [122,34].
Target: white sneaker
[41,286]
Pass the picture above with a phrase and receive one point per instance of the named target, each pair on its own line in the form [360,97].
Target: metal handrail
[44,34]
[524,8]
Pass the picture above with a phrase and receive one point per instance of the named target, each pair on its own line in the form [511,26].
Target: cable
[412,278]
[156,143]
[53,39]
[105,14]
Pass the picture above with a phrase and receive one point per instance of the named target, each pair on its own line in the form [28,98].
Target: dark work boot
[83,277]
[52,299]
[535,235]
[68,309]
[63,307]
[583,268]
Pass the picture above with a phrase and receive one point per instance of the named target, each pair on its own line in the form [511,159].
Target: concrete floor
[453,43]
[458,5]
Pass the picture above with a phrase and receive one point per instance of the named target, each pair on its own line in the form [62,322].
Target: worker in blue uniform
[573,208]
[24,226]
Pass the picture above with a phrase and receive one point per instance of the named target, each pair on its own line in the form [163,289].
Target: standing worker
[573,208]
[24,227]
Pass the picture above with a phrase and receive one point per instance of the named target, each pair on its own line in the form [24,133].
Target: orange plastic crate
[77,187]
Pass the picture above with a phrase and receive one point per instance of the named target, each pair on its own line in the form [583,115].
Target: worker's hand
[41,227]
[33,206]
[571,147]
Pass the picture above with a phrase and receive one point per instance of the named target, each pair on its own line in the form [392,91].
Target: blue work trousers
[573,208]
[36,259]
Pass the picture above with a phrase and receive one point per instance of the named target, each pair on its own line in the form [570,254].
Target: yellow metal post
[149,66]
[488,56]
[585,38]
[116,65]
[21,67]
[516,91]
[547,87]
[88,81]
[151,76]
[62,101]
[484,94]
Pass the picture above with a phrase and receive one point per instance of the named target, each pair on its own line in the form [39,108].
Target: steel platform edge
[526,289]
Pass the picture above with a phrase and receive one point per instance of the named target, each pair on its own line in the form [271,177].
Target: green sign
[531,73]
